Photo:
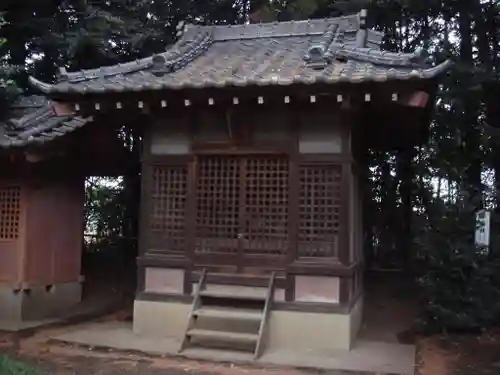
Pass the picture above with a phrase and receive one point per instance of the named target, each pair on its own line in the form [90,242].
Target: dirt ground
[438,355]
[56,359]
[390,310]
[460,354]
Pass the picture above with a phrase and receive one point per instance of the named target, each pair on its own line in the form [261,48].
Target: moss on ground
[10,367]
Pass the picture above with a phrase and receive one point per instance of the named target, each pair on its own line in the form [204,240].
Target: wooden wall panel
[55,233]
[68,242]
[38,259]
[9,258]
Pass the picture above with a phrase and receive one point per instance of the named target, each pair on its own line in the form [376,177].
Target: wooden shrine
[252,171]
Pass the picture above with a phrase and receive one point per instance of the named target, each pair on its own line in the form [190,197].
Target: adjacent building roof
[35,120]
[314,51]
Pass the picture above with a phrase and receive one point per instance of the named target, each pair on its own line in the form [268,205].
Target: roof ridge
[309,27]
[318,56]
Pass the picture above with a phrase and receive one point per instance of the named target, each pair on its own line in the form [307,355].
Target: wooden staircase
[228,323]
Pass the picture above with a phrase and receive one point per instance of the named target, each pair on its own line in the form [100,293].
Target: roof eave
[46,88]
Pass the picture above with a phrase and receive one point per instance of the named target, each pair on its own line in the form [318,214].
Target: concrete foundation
[38,302]
[161,319]
[299,331]
[295,331]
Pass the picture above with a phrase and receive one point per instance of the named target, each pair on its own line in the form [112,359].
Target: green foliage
[8,88]
[11,367]
[104,207]
[461,281]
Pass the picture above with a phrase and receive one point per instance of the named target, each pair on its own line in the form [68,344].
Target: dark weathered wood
[312,307]
[164,297]
[242,219]
[162,261]
[263,149]
[240,279]
[290,287]
[323,269]
[345,289]
[257,206]
[166,160]
[190,218]
[345,215]
[293,208]
[325,159]
[141,279]
[250,260]
[278,305]
[144,210]
[293,191]
[196,304]
[265,317]
[187,285]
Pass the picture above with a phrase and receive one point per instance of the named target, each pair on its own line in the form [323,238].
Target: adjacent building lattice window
[169,192]
[319,207]
[10,212]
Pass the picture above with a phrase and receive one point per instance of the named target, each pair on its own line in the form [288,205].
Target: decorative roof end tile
[318,56]
[63,74]
[363,15]
[159,68]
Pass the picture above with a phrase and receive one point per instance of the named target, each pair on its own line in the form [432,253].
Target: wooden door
[241,211]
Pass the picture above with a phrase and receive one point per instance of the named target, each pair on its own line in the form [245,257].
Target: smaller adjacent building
[255,139]
[45,153]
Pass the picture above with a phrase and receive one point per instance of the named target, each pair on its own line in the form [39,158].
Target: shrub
[460,281]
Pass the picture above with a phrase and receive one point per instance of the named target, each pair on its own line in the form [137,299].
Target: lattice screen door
[242,205]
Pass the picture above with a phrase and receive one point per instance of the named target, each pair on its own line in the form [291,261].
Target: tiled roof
[313,51]
[35,121]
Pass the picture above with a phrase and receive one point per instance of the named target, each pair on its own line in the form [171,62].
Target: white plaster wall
[323,289]
[164,280]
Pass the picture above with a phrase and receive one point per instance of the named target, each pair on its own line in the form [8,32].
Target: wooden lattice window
[266,205]
[10,212]
[168,197]
[217,204]
[319,208]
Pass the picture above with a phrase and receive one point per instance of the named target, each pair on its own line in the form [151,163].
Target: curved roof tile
[280,53]
[35,121]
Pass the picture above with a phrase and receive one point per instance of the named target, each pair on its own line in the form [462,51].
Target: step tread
[239,275]
[226,295]
[233,356]
[233,336]
[228,313]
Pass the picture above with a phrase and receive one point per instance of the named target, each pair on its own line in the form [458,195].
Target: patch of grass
[11,367]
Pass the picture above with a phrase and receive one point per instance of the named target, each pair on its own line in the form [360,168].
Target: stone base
[39,302]
[300,331]
[296,331]
[161,319]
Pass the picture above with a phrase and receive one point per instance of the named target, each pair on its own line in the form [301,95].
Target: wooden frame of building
[252,171]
